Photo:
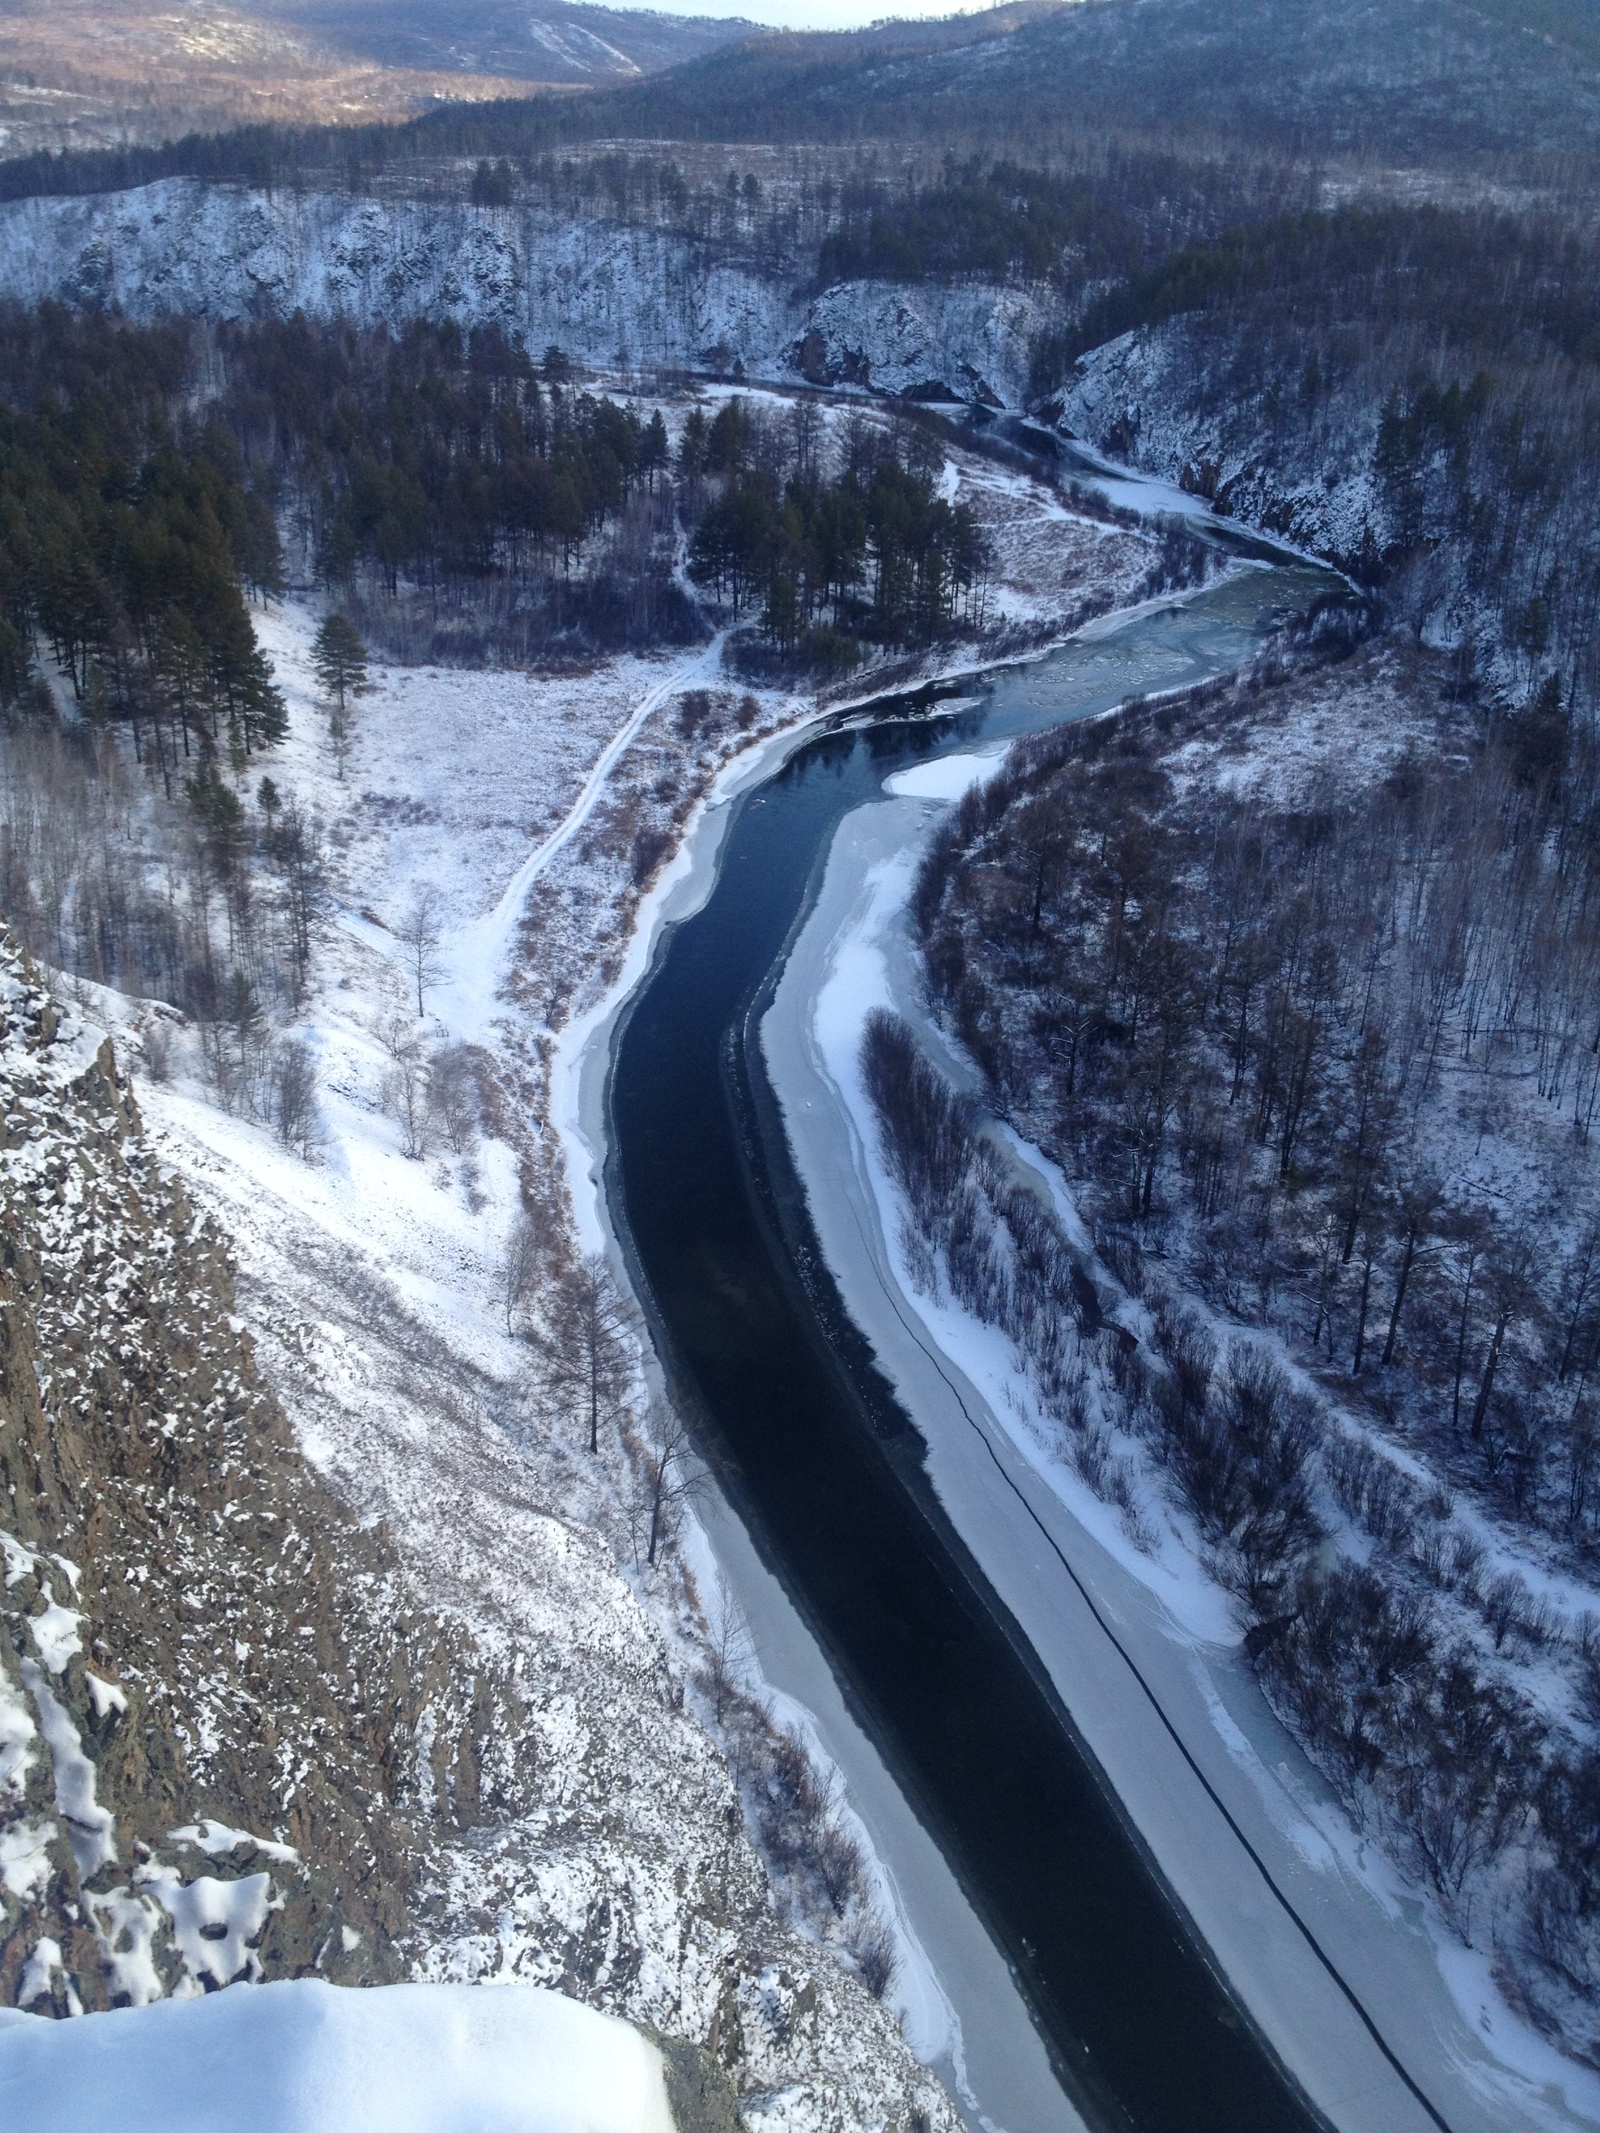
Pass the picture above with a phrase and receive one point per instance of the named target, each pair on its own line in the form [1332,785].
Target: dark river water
[826,1468]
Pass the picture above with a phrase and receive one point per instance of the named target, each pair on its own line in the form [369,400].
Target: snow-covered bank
[304,2057]
[1140,1648]
[1004,2065]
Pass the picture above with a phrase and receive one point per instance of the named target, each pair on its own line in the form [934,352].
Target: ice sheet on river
[1207,1773]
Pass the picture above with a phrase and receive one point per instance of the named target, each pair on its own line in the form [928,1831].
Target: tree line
[145,474]
[1073,224]
[131,534]
[828,550]
[127,537]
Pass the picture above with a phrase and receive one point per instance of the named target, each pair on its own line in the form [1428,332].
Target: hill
[104,73]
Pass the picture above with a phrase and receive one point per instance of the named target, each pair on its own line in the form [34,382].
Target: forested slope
[1412,392]
[1298,985]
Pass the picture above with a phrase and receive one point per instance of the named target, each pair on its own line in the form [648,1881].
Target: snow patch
[25,1858]
[17,1732]
[216,1925]
[89,1825]
[55,1633]
[304,2057]
[39,1973]
[126,1926]
[216,1840]
[946,778]
[105,1696]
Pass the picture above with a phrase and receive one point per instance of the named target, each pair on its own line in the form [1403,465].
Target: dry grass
[86,74]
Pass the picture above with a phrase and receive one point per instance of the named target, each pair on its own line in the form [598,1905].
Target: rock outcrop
[613,294]
[210,1682]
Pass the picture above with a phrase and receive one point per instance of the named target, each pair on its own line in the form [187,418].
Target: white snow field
[304,2057]
[1324,1943]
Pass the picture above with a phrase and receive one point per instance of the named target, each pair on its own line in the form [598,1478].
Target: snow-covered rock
[1144,397]
[612,294]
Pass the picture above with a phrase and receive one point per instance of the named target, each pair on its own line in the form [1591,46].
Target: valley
[798,858]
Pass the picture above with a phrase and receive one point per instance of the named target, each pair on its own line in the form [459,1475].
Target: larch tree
[664,1479]
[519,1265]
[586,1362]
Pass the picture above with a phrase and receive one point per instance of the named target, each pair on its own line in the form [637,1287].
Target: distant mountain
[1486,90]
[530,40]
[109,73]
[1409,81]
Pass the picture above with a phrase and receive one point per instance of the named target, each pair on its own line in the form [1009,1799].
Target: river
[827,1470]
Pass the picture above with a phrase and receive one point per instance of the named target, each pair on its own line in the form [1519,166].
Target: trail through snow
[474,956]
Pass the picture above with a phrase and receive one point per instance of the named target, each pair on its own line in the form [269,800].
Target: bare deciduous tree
[587,1366]
[397,1033]
[405,1098]
[419,932]
[728,1649]
[294,1097]
[519,1265]
[453,1096]
[664,1477]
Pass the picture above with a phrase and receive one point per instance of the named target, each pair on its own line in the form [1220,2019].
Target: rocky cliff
[209,1681]
[611,293]
[235,1746]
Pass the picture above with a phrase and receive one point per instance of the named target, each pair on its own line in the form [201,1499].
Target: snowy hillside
[569,1820]
[612,295]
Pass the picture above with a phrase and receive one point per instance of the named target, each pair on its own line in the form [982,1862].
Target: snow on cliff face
[970,337]
[1148,397]
[609,293]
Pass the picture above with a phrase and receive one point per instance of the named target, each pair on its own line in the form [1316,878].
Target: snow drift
[305,2057]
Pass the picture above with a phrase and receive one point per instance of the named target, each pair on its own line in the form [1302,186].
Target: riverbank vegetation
[1298,985]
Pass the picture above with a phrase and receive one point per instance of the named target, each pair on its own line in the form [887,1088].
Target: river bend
[826,1468]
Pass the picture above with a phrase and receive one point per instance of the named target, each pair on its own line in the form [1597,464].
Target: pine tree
[16,663]
[655,449]
[340,660]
